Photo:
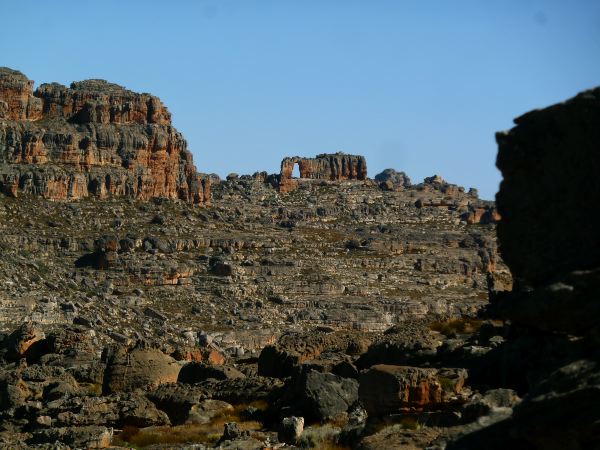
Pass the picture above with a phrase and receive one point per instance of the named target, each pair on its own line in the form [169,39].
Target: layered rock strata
[331,167]
[92,139]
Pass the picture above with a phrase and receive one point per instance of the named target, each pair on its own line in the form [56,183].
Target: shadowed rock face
[550,163]
[548,237]
[331,167]
[92,139]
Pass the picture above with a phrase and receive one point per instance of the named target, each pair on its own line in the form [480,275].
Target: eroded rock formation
[16,96]
[550,166]
[549,240]
[331,167]
[92,139]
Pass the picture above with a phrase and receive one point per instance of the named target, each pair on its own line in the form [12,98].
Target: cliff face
[92,139]
[332,167]
[550,164]
[16,96]
[548,237]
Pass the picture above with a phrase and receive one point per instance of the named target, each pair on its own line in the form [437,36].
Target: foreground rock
[551,248]
[549,167]
[386,389]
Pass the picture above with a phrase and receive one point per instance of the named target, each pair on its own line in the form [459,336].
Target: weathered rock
[546,234]
[549,166]
[492,400]
[400,438]
[232,432]
[331,167]
[177,400]
[196,372]
[293,349]
[560,413]
[321,396]
[22,342]
[103,102]
[390,179]
[207,410]
[97,139]
[406,344]
[386,389]
[568,304]
[291,429]
[13,391]
[16,96]
[79,437]
[127,370]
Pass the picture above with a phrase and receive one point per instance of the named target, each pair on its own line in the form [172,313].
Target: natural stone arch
[331,167]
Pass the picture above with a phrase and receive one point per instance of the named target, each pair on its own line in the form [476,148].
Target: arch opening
[296,171]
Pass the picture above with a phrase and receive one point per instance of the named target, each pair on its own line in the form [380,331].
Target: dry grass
[208,433]
[322,437]
[452,327]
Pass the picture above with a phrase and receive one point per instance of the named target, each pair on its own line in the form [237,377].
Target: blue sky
[420,86]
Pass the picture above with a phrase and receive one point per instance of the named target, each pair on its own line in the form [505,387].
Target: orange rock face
[386,389]
[16,97]
[101,102]
[332,167]
[94,139]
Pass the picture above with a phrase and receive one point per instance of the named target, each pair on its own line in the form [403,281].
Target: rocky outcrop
[92,139]
[386,389]
[284,358]
[331,167]
[548,239]
[320,396]
[390,180]
[16,97]
[98,101]
[549,164]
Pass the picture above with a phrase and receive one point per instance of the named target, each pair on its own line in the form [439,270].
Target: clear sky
[419,86]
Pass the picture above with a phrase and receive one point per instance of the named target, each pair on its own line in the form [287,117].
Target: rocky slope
[343,313]
[91,139]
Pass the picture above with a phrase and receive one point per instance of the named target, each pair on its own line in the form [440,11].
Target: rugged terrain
[328,311]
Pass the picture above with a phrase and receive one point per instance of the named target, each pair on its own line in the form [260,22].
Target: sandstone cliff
[92,139]
[331,167]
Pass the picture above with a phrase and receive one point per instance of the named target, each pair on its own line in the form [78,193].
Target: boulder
[177,399]
[321,396]
[291,429]
[207,410]
[386,389]
[284,358]
[129,369]
[89,437]
[196,372]
[409,344]
[549,164]
[392,179]
[25,342]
